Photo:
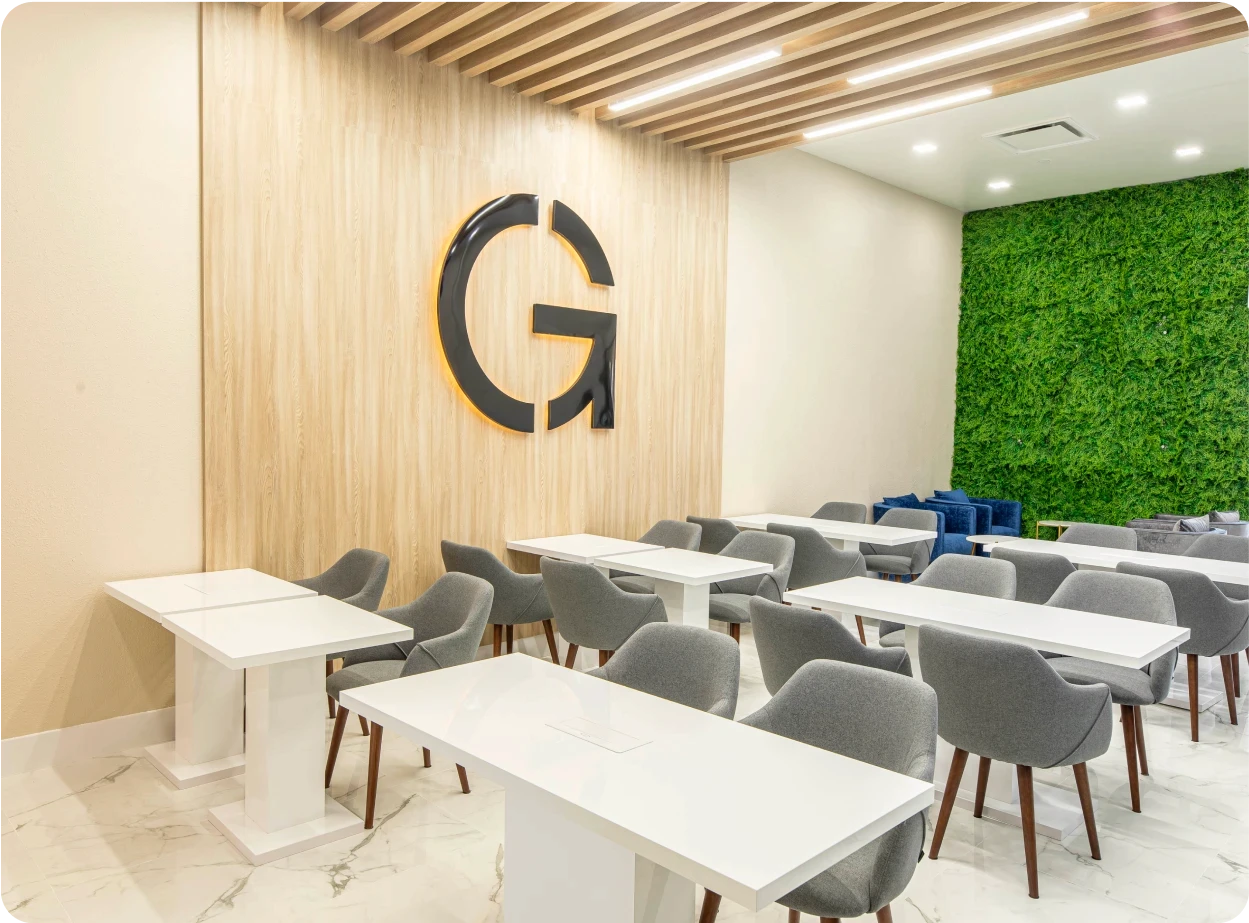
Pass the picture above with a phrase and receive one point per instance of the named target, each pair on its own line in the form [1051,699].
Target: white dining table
[683,578]
[618,802]
[208,698]
[282,647]
[1103,638]
[580,548]
[843,535]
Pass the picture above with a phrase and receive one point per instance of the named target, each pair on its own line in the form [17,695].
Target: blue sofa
[993,517]
[954,523]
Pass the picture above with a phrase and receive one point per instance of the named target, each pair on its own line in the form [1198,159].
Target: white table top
[581,548]
[992,539]
[292,629]
[1096,556]
[693,568]
[158,597]
[1105,638]
[831,528]
[746,813]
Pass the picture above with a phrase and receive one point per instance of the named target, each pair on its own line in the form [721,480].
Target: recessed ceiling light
[989,42]
[901,113]
[997,185]
[694,81]
[1135,101]
[1191,150]
[924,147]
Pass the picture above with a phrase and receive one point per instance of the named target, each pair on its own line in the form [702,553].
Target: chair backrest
[786,637]
[1037,575]
[672,533]
[1094,533]
[590,610]
[358,577]
[716,533]
[768,548]
[841,511]
[1003,701]
[1219,547]
[1217,625]
[447,622]
[1125,596]
[901,517]
[815,560]
[681,663]
[518,598]
[964,573]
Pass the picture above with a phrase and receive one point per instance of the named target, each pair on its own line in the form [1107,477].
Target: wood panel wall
[334,175]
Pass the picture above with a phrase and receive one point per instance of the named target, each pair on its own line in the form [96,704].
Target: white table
[208,698]
[683,578]
[593,834]
[844,535]
[1104,638]
[282,646]
[581,548]
[982,541]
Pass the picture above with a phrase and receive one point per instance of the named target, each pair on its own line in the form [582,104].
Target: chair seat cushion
[887,563]
[1128,686]
[1003,530]
[363,674]
[634,584]
[894,639]
[730,607]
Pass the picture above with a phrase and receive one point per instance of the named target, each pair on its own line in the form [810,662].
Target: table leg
[1209,686]
[208,721]
[560,872]
[844,544]
[686,605]
[285,809]
[603,569]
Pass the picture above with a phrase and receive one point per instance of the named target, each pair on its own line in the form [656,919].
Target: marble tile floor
[107,839]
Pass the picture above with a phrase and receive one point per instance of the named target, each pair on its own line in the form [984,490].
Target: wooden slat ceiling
[589,55]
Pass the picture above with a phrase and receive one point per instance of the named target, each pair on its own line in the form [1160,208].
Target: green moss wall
[1103,354]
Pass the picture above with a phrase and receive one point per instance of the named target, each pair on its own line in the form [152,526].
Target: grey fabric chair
[519,599]
[1128,597]
[816,561]
[1219,628]
[592,611]
[730,599]
[960,573]
[1037,576]
[876,717]
[897,561]
[671,533]
[841,512]
[1223,548]
[716,533]
[447,622]
[787,637]
[1093,533]
[1003,701]
[681,663]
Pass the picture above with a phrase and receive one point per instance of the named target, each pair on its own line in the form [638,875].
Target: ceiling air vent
[1042,136]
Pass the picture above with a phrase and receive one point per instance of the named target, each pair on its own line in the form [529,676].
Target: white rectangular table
[282,646]
[1104,638]
[580,548]
[208,698]
[683,578]
[844,535]
[594,834]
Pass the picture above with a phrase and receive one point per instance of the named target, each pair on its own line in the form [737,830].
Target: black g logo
[595,385]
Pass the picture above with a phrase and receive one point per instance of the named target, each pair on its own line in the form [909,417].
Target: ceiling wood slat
[447,18]
[559,24]
[299,10]
[502,22]
[388,18]
[335,16]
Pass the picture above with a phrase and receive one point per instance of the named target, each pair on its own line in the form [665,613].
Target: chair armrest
[1008,513]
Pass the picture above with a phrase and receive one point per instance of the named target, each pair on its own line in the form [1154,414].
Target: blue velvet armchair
[993,517]
[954,523]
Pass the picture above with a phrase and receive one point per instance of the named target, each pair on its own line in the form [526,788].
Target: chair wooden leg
[1226,662]
[510,630]
[884,915]
[982,782]
[364,725]
[329,671]
[947,800]
[498,640]
[1138,724]
[1235,659]
[1028,816]
[463,779]
[830,919]
[858,620]
[340,724]
[1129,744]
[1192,695]
[375,760]
[711,907]
[735,632]
[603,657]
[1086,805]
[795,917]
[572,656]
[425,753]
[549,628]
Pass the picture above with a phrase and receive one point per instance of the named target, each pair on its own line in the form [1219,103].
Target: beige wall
[840,340]
[100,350]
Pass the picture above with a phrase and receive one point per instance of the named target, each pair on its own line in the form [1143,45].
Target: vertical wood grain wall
[335,174]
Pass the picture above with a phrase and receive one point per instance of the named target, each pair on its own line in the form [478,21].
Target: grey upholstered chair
[671,533]
[1219,627]
[730,599]
[876,717]
[447,622]
[816,561]
[591,611]
[841,512]
[961,573]
[1223,548]
[1093,533]
[1129,597]
[716,533]
[1003,701]
[681,663]
[897,561]
[787,637]
[519,599]
[1037,575]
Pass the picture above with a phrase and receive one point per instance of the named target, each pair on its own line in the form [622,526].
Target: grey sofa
[1164,535]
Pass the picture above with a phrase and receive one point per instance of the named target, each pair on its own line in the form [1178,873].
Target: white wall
[841,337]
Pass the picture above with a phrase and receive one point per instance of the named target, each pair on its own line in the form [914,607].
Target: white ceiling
[1199,97]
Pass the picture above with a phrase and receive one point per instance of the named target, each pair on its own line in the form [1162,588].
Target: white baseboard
[84,741]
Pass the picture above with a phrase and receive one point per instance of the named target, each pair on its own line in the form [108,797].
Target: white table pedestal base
[560,872]
[260,846]
[844,544]
[1210,689]
[685,604]
[182,774]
